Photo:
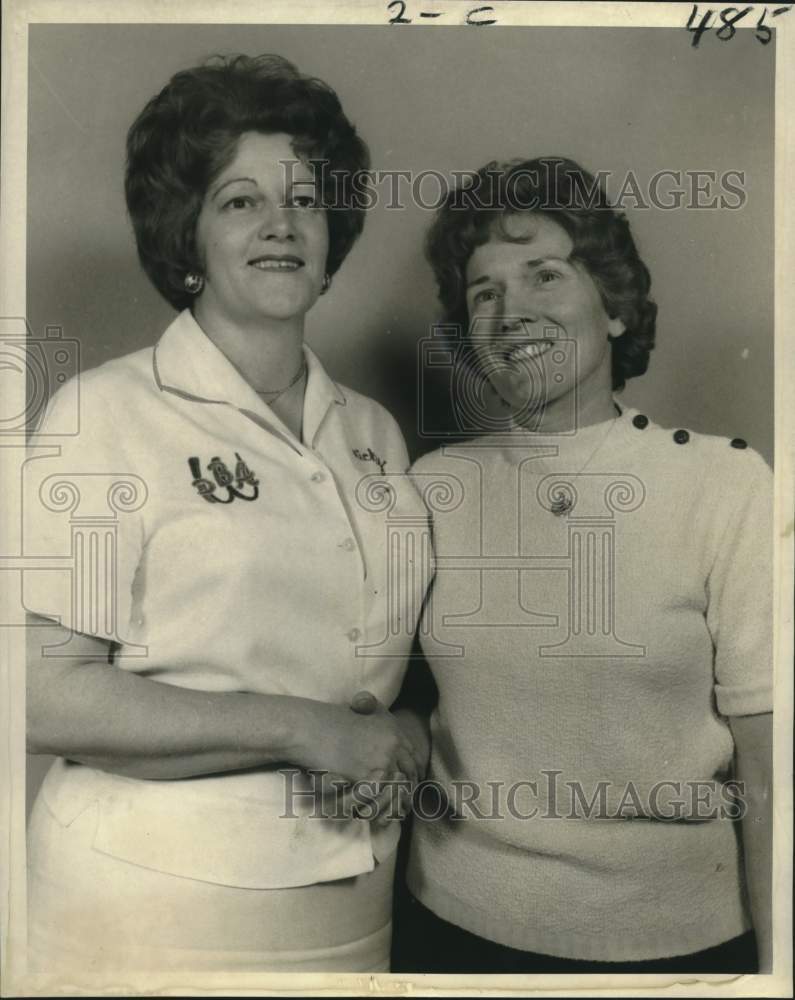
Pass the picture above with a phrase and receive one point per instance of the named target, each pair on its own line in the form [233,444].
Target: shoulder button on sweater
[641,421]
[681,437]
[738,443]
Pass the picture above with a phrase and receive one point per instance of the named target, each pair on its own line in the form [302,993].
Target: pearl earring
[193,283]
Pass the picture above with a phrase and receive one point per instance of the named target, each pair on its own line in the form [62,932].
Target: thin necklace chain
[275,393]
[591,457]
[563,504]
[557,457]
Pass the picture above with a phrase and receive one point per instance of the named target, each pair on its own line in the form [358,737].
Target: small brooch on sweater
[561,504]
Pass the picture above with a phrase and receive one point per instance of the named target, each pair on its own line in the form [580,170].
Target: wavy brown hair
[189,132]
[562,190]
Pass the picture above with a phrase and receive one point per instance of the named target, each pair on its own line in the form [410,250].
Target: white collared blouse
[186,523]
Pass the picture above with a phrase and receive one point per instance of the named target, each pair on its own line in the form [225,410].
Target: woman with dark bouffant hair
[599,627]
[217,679]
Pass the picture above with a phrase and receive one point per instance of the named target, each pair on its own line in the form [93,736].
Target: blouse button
[640,421]
[354,634]
[317,477]
[349,545]
[681,437]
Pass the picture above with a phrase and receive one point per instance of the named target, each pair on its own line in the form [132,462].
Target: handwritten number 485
[729,18]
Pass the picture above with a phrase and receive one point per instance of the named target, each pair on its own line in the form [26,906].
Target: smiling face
[261,237]
[537,321]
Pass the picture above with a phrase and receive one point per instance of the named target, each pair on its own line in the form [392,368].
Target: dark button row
[681,436]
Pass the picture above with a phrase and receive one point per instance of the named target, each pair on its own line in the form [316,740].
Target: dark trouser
[423,942]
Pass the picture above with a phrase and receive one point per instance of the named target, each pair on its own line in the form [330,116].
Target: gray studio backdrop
[441,99]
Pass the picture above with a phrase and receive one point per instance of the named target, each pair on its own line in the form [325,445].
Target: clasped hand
[371,764]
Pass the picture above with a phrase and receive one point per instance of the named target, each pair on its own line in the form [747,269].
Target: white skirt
[92,913]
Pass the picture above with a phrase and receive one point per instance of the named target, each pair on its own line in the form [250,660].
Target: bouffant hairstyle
[568,194]
[189,132]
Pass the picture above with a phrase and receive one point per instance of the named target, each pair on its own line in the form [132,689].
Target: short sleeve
[740,592]
[81,517]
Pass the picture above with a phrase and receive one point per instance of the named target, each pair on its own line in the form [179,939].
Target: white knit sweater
[609,654]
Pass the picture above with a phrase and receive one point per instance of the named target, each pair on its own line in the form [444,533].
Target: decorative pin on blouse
[224,478]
